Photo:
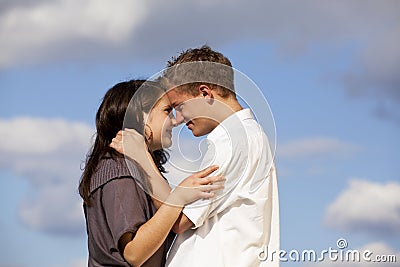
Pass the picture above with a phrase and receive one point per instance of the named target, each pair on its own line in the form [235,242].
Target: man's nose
[179,117]
[173,120]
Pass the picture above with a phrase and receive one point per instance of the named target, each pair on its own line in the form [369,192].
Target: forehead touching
[176,97]
[163,101]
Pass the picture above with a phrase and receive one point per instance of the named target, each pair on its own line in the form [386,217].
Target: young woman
[124,227]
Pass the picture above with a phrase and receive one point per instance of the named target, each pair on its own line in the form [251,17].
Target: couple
[226,219]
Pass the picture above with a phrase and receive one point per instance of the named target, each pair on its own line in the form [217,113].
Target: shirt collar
[240,115]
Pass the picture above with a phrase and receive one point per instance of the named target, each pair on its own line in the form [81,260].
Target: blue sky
[328,69]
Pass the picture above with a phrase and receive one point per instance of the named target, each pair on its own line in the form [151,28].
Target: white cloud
[43,30]
[316,146]
[368,207]
[55,209]
[25,135]
[177,24]
[32,32]
[42,148]
[37,31]
[49,153]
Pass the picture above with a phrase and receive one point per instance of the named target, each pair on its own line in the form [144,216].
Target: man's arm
[182,224]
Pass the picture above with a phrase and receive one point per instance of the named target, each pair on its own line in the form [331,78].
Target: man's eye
[179,107]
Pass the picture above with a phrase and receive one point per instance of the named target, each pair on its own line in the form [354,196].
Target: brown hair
[221,72]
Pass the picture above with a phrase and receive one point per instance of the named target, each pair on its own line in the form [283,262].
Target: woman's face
[161,121]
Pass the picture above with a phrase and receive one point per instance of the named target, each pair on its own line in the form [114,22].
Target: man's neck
[226,108]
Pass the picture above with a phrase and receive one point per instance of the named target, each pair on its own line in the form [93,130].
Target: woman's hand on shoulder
[197,186]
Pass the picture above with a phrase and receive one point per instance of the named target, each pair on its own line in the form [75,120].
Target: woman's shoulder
[110,168]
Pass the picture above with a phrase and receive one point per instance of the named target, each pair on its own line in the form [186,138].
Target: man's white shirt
[232,228]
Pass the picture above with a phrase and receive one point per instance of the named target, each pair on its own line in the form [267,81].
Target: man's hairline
[180,93]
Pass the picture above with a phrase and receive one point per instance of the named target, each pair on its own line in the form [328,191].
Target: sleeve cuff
[196,215]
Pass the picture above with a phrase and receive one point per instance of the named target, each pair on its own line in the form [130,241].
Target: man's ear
[207,93]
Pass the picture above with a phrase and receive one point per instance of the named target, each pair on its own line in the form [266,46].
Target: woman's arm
[130,143]
[151,235]
[182,224]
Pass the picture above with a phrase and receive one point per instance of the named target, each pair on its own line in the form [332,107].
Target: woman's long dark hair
[110,119]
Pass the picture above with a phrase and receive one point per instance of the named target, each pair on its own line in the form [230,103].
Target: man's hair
[201,66]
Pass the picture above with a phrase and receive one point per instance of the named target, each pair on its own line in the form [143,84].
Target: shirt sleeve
[199,211]
[125,207]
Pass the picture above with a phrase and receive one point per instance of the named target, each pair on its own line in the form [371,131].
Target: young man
[239,225]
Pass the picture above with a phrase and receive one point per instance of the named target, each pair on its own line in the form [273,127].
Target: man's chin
[196,133]
[190,127]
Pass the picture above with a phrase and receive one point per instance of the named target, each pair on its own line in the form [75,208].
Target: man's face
[193,111]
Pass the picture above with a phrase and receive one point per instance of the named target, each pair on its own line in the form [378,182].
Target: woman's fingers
[195,182]
[116,141]
[211,187]
[115,145]
[190,190]
[118,137]
[206,195]
[207,171]
[211,179]
[208,191]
